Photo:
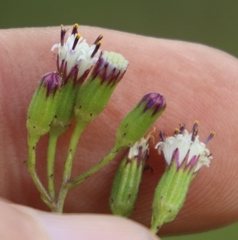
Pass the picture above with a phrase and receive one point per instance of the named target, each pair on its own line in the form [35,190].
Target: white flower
[75,57]
[185,146]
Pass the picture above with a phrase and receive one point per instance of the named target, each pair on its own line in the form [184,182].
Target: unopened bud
[139,119]
[43,104]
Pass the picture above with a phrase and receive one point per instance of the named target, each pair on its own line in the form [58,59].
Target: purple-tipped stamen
[194,130]
[179,130]
[97,46]
[62,36]
[182,128]
[176,131]
[161,134]
[211,135]
[98,39]
[76,41]
[75,29]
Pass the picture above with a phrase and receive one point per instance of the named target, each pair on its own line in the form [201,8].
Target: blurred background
[209,22]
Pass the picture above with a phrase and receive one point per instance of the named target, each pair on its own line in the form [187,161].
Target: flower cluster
[80,89]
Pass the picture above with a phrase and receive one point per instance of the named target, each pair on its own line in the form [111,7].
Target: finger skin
[18,222]
[199,83]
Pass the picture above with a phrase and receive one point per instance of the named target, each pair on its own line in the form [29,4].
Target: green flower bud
[43,104]
[184,155]
[128,177]
[139,119]
[95,93]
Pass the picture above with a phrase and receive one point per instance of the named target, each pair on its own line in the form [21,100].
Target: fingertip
[91,226]
[18,224]
[43,225]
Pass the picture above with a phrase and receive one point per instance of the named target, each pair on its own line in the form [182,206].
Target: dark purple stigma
[194,131]
[211,135]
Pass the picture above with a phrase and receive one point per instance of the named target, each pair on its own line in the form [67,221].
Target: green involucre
[170,195]
[92,98]
[125,187]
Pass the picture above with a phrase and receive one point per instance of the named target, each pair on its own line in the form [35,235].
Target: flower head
[184,155]
[185,148]
[75,57]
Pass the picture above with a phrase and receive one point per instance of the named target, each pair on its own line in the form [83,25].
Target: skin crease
[199,83]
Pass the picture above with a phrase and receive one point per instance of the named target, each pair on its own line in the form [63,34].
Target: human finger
[197,81]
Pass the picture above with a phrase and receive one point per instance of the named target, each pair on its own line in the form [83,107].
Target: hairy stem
[31,165]
[82,177]
[53,137]
[79,128]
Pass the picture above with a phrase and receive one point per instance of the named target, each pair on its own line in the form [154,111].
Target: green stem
[53,137]
[82,177]
[31,165]
[79,128]
[155,228]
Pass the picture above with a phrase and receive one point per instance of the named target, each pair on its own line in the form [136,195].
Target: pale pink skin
[199,83]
